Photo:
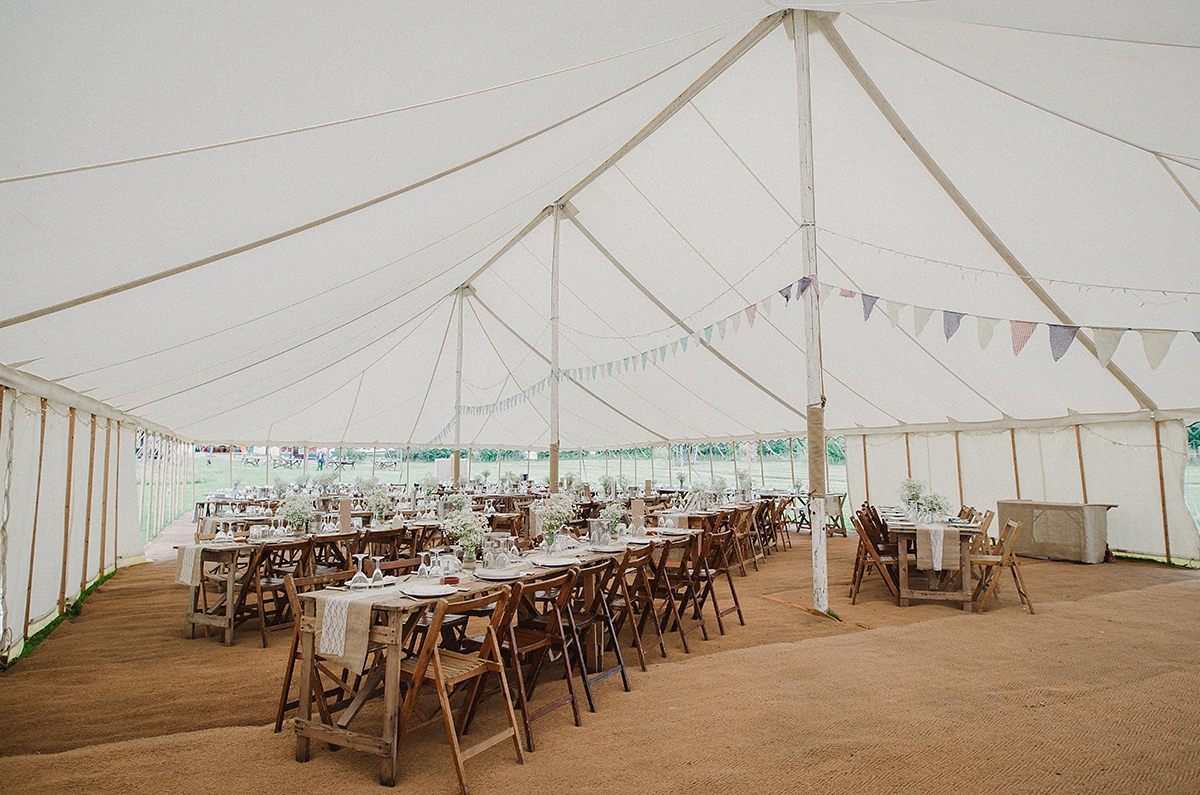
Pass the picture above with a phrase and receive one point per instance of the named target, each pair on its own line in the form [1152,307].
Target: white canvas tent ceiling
[314,185]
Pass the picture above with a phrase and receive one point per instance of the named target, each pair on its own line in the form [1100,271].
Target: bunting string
[1155,342]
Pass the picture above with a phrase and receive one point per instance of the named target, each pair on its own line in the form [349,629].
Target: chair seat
[455,666]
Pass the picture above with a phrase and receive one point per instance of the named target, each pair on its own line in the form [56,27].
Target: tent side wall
[68,548]
[1117,462]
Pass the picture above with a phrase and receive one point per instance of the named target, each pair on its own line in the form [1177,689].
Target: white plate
[552,562]
[671,531]
[511,573]
[428,590]
[607,547]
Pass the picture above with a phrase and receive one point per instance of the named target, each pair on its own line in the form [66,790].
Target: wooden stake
[1012,433]
[1079,452]
[87,522]
[62,585]
[958,466]
[1162,492]
[37,499]
[104,494]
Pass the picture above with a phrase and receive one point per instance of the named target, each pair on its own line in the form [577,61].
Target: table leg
[964,563]
[195,606]
[902,549]
[231,599]
[391,711]
[304,709]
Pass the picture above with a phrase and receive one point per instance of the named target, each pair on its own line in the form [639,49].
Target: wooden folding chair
[340,685]
[629,593]
[446,670]
[993,564]
[334,552]
[713,562]
[672,585]
[278,559]
[872,552]
[519,640]
[587,611]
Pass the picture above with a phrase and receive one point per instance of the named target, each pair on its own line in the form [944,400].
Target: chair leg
[1020,583]
[287,684]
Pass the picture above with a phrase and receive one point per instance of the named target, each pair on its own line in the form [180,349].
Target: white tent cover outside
[251,222]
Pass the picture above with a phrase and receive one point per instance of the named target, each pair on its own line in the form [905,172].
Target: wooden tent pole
[670,467]
[737,476]
[458,371]
[1012,434]
[958,466]
[1162,491]
[554,371]
[62,585]
[762,473]
[373,450]
[304,463]
[408,468]
[866,472]
[339,464]
[87,520]
[231,466]
[797,27]
[907,455]
[1079,452]
[690,450]
[712,470]
[104,494]
[143,518]
[792,460]
[117,502]
[37,500]
[151,486]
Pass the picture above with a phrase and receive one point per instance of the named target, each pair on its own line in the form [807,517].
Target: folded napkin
[937,548]
[187,566]
[344,624]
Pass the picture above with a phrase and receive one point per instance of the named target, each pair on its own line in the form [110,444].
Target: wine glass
[378,575]
[423,569]
[361,577]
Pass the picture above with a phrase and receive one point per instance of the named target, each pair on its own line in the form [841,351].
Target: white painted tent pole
[143,518]
[554,285]
[797,25]
[458,364]
[117,499]
[37,500]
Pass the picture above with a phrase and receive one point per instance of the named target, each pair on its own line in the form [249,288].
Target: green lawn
[213,471]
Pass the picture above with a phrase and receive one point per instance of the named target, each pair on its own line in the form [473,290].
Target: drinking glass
[378,575]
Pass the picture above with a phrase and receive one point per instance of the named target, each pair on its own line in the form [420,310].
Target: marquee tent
[280,223]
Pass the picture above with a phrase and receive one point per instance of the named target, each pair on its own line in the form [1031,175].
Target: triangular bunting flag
[1107,340]
[1196,334]
[1061,338]
[921,316]
[683,341]
[737,322]
[751,311]
[594,368]
[802,285]
[662,353]
[654,356]
[844,293]
[610,364]
[708,334]
[786,292]
[675,346]
[987,325]
[1156,344]
[721,329]
[868,305]
[645,355]
[892,310]
[950,322]
[626,362]
[766,306]
[1021,332]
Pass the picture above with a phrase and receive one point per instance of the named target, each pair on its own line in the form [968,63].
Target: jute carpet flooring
[1098,692]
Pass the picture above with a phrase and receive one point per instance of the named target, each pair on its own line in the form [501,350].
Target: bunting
[1021,332]
[950,322]
[868,302]
[1061,338]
